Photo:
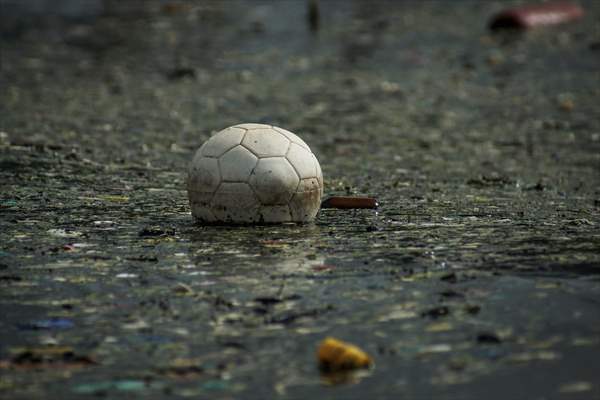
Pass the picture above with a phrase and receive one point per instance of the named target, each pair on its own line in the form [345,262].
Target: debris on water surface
[439,327]
[153,231]
[336,355]
[472,309]
[47,357]
[291,316]
[183,372]
[125,275]
[51,323]
[184,289]
[347,202]
[488,338]
[450,278]
[565,102]
[125,385]
[575,387]
[436,312]
[490,181]
[64,233]
[322,267]
[534,15]
[181,72]
[434,349]
[493,214]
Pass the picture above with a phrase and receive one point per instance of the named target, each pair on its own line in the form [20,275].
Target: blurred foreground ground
[478,277]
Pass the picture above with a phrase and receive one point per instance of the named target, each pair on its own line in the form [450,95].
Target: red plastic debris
[534,15]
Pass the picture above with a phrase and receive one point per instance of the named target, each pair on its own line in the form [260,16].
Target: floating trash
[47,357]
[347,202]
[51,323]
[126,275]
[576,387]
[64,233]
[534,15]
[124,385]
[488,338]
[336,355]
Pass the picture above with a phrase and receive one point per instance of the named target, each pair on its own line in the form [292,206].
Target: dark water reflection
[61,8]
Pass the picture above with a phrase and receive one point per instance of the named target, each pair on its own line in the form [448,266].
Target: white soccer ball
[254,173]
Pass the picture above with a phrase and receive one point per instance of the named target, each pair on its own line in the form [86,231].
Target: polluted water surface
[475,277]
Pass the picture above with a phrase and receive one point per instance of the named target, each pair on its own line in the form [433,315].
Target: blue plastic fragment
[51,323]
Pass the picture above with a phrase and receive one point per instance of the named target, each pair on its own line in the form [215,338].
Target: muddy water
[476,277]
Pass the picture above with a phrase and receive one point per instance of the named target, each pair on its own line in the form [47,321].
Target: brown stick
[346,202]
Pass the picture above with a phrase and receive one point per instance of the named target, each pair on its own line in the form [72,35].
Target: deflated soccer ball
[254,173]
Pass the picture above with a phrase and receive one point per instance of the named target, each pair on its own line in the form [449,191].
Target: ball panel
[271,214]
[266,142]
[274,180]
[204,175]
[222,141]
[201,199]
[253,126]
[305,203]
[235,202]
[200,205]
[202,213]
[237,164]
[302,160]
[292,137]
[319,172]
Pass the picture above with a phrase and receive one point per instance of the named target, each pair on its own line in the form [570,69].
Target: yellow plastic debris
[336,355]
